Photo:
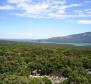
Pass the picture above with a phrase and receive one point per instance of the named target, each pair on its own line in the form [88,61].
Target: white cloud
[40,9]
[34,9]
[84,21]
[88,11]
[83,13]
[47,9]
[7,7]
[69,6]
[17,1]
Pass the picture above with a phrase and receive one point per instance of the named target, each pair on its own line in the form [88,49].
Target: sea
[75,44]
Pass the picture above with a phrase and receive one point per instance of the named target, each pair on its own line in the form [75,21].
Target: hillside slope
[74,38]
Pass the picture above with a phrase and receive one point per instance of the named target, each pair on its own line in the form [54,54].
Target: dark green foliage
[13,79]
[18,60]
[47,81]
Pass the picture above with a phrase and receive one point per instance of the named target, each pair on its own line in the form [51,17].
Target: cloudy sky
[35,19]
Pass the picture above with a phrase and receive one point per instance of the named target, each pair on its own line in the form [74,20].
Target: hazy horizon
[41,19]
[38,38]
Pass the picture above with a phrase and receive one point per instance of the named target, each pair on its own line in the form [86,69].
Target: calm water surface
[76,44]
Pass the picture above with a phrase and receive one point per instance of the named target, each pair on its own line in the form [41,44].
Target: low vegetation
[19,60]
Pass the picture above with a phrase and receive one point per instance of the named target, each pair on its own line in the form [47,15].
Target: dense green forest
[19,60]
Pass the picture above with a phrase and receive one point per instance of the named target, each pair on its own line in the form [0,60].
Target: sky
[38,19]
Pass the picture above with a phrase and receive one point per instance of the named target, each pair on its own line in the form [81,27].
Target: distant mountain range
[74,38]
[6,41]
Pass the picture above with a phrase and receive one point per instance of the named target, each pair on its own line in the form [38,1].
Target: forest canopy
[19,60]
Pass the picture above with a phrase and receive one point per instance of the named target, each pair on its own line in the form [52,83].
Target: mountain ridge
[73,38]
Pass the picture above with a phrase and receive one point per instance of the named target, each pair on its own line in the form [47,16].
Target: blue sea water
[75,44]
[82,44]
[78,44]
